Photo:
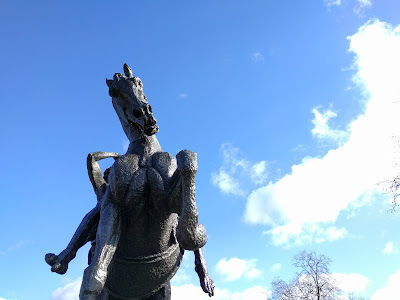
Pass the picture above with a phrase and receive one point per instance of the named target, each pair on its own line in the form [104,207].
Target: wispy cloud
[323,131]
[362,5]
[257,57]
[258,172]
[182,95]
[319,188]
[236,172]
[68,292]
[388,248]
[181,277]
[330,3]
[226,183]
[235,268]
[330,234]
[195,292]
[298,234]
[15,247]
[276,267]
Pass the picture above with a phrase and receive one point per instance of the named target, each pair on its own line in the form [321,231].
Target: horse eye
[138,113]
[113,93]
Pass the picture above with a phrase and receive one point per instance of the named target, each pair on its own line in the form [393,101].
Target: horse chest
[146,190]
[140,188]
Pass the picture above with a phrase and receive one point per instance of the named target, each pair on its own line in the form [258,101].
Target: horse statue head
[131,105]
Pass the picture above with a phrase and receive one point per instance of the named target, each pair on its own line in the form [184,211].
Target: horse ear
[109,82]
[127,71]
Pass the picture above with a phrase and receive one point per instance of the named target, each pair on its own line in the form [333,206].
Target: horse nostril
[150,120]
[138,113]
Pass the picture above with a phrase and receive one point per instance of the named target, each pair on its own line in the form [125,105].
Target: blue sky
[290,106]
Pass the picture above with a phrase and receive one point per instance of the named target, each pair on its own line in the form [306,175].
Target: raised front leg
[108,233]
[207,284]
[190,234]
[86,232]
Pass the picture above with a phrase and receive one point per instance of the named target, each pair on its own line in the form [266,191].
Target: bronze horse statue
[146,214]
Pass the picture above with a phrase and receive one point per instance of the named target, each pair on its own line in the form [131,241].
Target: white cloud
[330,3]
[235,268]
[15,247]
[183,96]
[236,171]
[319,188]
[297,234]
[276,267]
[263,208]
[196,293]
[388,249]
[69,292]
[330,234]
[258,172]
[362,4]
[323,131]
[257,57]
[351,283]
[254,293]
[181,277]
[365,2]
[226,183]
[392,289]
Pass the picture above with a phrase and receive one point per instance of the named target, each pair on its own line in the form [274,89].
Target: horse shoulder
[165,164]
[121,175]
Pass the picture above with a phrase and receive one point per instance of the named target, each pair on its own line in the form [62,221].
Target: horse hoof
[56,266]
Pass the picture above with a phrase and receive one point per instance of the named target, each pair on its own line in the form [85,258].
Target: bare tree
[314,280]
[392,185]
[352,297]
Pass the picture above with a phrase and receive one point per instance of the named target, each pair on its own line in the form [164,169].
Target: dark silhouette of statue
[146,214]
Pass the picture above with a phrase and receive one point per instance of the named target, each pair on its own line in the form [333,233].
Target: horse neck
[145,147]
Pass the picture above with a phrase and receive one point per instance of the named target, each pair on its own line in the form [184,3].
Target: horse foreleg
[108,233]
[207,284]
[190,234]
[85,232]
